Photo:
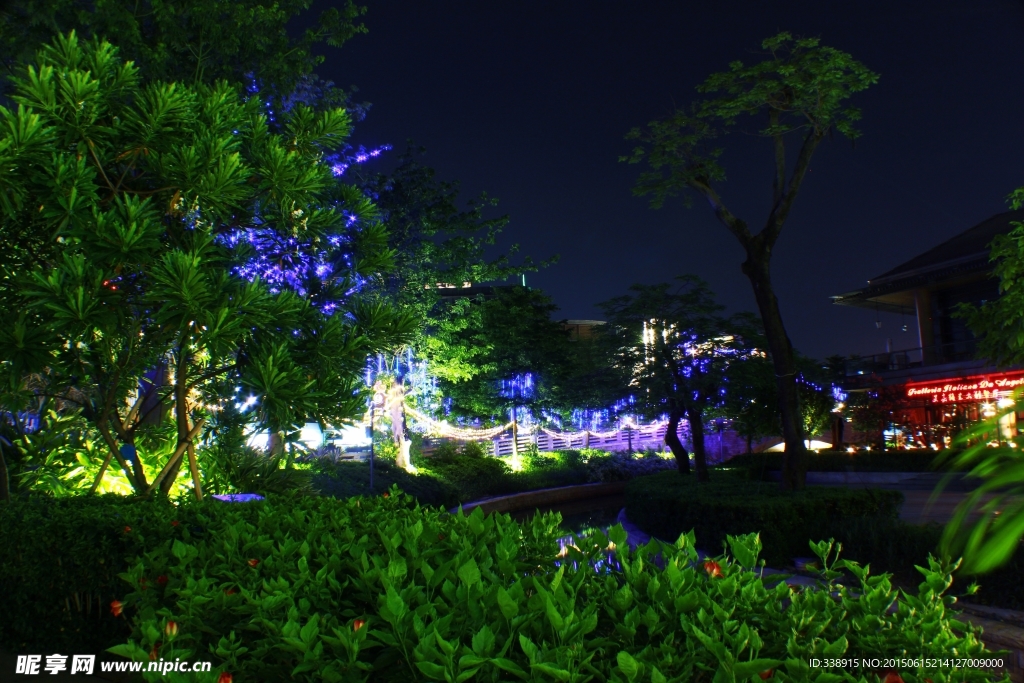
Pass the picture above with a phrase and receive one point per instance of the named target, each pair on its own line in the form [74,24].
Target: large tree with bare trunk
[797,95]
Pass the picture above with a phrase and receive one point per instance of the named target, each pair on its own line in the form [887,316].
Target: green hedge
[864,521]
[317,589]
[837,461]
[897,547]
[347,479]
[668,504]
[60,563]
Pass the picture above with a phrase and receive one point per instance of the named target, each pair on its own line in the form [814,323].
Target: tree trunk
[750,444]
[756,268]
[700,458]
[180,415]
[398,432]
[673,442]
[104,429]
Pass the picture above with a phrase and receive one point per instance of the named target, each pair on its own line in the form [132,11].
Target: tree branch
[780,212]
[209,375]
[96,160]
[736,226]
[780,161]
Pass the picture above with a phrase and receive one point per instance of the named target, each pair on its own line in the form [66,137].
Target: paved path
[920,505]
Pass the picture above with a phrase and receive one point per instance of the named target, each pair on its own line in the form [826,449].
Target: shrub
[757,465]
[249,470]
[61,562]
[667,504]
[376,589]
[347,479]
[897,547]
[316,589]
[622,467]
[473,477]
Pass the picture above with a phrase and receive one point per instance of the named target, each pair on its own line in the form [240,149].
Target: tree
[504,353]
[188,41]
[799,90]
[674,348]
[171,229]
[752,399]
[435,243]
[998,325]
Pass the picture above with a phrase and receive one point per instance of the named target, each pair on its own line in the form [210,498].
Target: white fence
[621,440]
[718,446]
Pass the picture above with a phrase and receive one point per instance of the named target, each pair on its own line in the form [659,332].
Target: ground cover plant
[865,522]
[668,504]
[316,589]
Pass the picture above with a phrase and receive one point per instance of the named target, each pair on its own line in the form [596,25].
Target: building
[581,329]
[942,384]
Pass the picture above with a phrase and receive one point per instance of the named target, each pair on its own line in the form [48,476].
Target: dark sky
[530,101]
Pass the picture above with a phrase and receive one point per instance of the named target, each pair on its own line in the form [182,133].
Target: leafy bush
[757,465]
[61,562]
[448,451]
[377,589]
[896,547]
[473,476]
[667,504]
[243,469]
[316,589]
[347,479]
[622,467]
[65,455]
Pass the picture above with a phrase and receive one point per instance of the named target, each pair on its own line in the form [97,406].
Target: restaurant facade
[936,389]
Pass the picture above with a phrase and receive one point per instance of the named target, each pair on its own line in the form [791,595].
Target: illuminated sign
[968,390]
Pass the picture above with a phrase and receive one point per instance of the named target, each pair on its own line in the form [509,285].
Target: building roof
[968,245]
[955,258]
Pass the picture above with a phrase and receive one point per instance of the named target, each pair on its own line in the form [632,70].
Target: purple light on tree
[343,161]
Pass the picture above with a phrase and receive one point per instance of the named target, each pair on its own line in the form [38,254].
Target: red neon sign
[974,389]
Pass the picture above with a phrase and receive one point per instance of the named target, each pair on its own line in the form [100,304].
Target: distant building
[941,384]
[581,329]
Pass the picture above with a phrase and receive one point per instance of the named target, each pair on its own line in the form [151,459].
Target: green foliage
[115,270]
[66,455]
[188,40]
[348,479]
[752,399]
[380,589]
[448,596]
[473,476]
[61,563]
[674,349]
[495,339]
[800,87]
[667,504]
[834,461]
[988,525]
[896,547]
[998,325]
[435,240]
[248,470]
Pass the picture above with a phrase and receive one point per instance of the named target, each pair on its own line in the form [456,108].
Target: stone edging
[544,497]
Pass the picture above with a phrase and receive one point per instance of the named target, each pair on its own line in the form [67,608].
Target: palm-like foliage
[138,218]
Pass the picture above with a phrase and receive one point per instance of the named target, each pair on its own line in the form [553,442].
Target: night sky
[531,101]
